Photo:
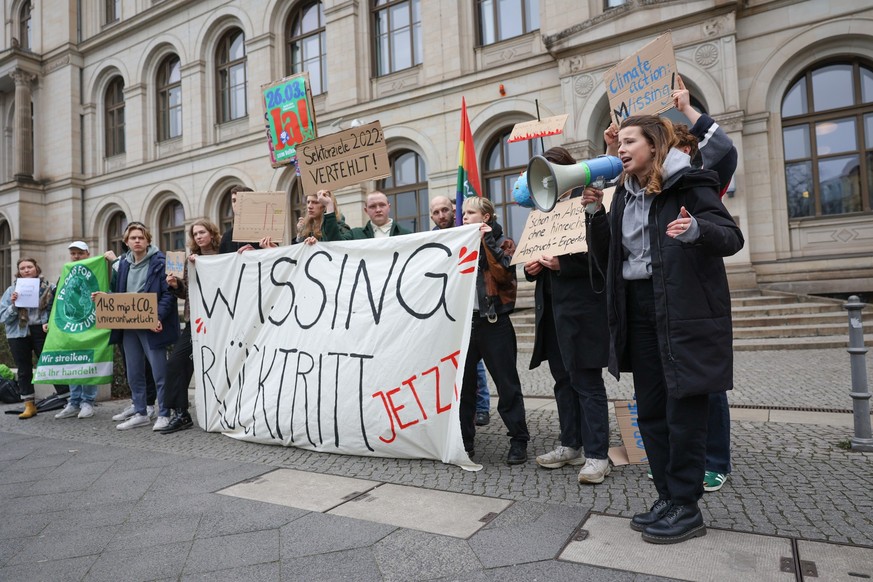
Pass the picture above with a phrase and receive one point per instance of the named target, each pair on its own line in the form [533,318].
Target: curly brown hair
[211,228]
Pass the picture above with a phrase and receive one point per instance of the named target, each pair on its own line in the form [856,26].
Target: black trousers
[23,349]
[180,368]
[673,429]
[495,343]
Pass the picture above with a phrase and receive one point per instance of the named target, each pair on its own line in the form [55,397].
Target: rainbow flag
[468,171]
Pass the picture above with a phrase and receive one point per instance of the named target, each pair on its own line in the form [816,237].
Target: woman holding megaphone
[668,235]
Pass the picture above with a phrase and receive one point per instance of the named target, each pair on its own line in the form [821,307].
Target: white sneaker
[125,414]
[594,471]
[69,411]
[87,410]
[560,457]
[161,423]
[134,421]
[150,412]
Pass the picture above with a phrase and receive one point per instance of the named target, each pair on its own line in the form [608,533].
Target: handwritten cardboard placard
[344,158]
[290,117]
[555,233]
[538,128]
[126,310]
[28,292]
[176,263]
[643,83]
[260,214]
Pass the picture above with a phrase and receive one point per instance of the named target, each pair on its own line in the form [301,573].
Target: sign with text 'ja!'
[343,159]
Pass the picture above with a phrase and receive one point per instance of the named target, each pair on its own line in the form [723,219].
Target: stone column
[23,169]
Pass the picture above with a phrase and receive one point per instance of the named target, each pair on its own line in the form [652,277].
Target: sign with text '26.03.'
[290,116]
[343,159]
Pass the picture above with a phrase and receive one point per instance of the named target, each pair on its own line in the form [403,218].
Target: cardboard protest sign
[538,128]
[626,414]
[352,347]
[260,214]
[127,310]
[290,117]
[643,83]
[344,158]
[28,292]
[555,233]
[176,263]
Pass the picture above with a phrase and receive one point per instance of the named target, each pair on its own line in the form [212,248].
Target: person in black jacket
[573,336]
[669,311]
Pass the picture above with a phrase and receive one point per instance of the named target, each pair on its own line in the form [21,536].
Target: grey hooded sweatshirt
[136,277]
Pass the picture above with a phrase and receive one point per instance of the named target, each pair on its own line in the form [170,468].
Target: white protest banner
[346,347]
[556,233]
[643,83]
[28,292]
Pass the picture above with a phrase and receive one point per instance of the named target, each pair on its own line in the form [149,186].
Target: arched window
[115,233]
[112,9]
[504,162]
[115,117]
[307,50]
[827,134]
[231,76]
[406,190]
[225,211]
[5,255]
[398,35]
[172,226]
[502,19]
[169,98]
[25,30]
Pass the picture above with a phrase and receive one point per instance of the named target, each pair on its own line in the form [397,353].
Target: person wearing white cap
[82,397]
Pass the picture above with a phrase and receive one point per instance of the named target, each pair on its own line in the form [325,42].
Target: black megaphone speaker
[547,181]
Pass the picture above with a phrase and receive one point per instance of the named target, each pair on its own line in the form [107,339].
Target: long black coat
[692,298]
[579,313]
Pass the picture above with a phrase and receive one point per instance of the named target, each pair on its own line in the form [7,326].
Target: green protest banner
[76,351]
[290,117]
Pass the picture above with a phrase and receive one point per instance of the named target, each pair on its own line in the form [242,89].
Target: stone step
[762,300]
[786,309]
[788,331]
[796,343]
[800,319]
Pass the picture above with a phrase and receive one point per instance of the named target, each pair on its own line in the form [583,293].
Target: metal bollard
[863,440]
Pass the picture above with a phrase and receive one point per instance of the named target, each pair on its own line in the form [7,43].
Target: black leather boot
[517,453]
[658,510]
[680,523]
[180,421]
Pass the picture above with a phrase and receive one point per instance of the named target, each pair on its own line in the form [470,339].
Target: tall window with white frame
[5,255]
[115,233]
[307,49]
[827,135]
[397,26]
[231,76]
[406,189]
[172,225]
[504,162]
[112,9]
[114,117]
[25,27]
[169,87]
[503,19]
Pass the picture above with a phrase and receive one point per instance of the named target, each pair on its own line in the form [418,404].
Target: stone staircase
[763,320]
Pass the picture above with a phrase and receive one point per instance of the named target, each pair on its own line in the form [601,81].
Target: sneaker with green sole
[713,481]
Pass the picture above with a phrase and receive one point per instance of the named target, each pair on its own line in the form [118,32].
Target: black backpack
[9,392]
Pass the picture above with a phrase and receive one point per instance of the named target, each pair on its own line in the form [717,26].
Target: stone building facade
[151,110]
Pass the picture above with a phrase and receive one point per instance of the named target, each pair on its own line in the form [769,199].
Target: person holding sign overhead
[572,335]
[323,220]
[25,308]
[492,336]
[204,240]
[669,311]
[141,270]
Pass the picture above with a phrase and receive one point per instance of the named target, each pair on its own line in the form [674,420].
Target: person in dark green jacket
[380,224]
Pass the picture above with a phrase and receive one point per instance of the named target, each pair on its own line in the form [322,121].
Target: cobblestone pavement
[789,479]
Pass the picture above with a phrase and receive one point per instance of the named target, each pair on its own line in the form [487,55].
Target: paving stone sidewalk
[82,500]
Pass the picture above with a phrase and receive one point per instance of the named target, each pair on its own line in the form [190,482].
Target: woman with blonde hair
[204,240]
[323,220]
[669,311]
[24,330]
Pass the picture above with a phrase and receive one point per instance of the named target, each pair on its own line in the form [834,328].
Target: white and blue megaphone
[544,182]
